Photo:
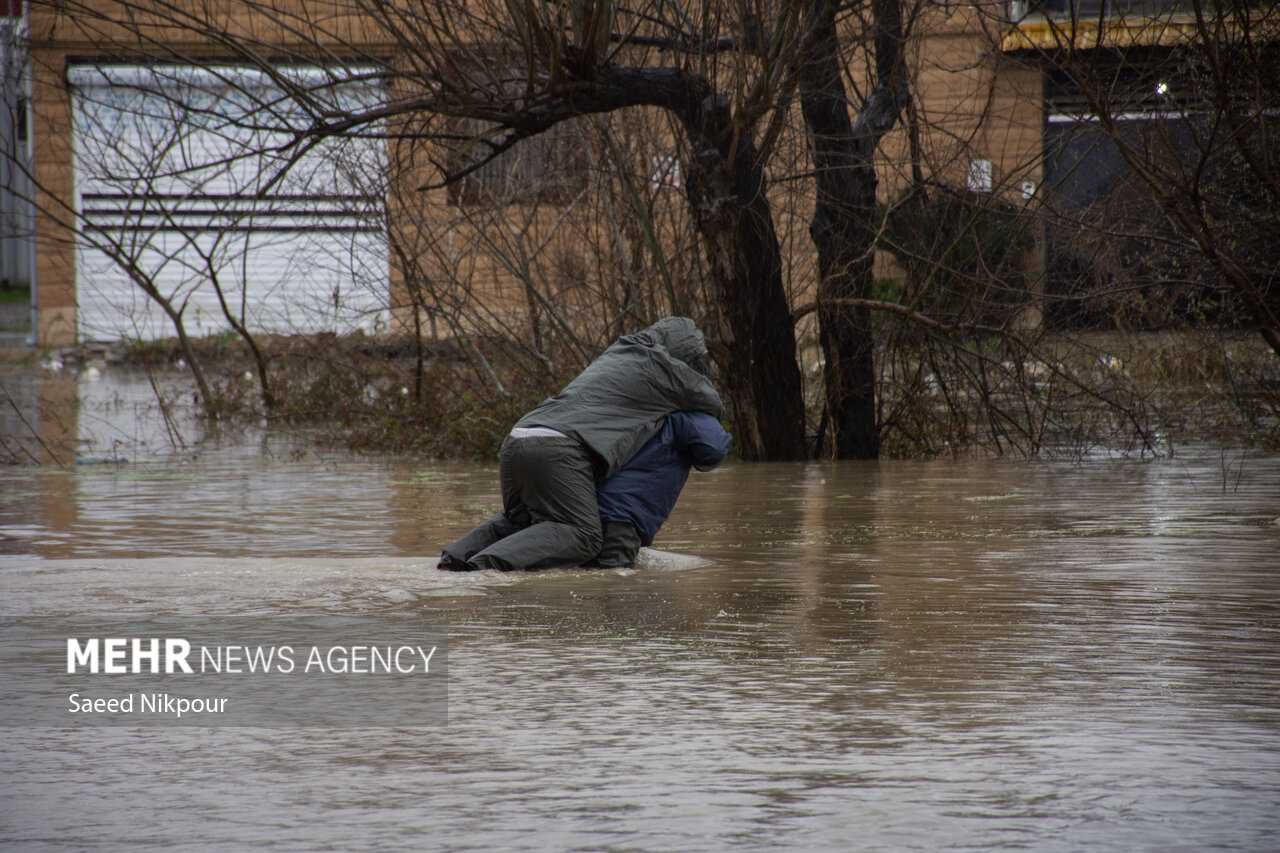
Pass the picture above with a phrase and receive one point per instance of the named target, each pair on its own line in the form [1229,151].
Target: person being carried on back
[636,501]
[557,454]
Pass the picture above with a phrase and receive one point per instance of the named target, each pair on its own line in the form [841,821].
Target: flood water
[982,655]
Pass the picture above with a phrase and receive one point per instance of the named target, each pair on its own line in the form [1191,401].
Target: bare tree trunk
[237,324]
[179,327]
[419,357]
[843,225]
[726,194]
[193,363]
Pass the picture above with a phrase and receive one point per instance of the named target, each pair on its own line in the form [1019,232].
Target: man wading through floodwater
[550,464]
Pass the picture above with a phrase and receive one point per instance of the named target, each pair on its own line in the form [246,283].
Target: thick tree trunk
[726,195]
[1272,337]
[725,188]
[844,220]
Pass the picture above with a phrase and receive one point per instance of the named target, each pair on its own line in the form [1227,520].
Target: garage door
[186,183]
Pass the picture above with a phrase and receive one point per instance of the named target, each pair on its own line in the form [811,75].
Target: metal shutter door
[179,183]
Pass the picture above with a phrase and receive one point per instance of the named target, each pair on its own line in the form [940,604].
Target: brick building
[147,184]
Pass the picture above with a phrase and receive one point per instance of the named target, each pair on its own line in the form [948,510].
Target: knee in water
[488,562]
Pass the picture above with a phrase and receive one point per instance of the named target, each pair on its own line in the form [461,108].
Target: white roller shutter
[185,180]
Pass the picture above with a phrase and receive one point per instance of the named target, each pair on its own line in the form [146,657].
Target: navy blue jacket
[644,491]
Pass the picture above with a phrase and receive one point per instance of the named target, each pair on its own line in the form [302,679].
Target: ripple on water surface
[953,654]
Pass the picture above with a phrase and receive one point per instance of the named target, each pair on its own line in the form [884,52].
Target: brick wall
[973,104]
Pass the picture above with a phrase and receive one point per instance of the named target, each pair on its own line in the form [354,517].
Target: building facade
[163,187]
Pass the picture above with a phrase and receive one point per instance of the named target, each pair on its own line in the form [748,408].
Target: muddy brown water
[896,656]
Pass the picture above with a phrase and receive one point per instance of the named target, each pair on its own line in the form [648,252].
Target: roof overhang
[1169,30]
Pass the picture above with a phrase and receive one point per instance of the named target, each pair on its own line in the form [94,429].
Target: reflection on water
[895,656]
[94,414]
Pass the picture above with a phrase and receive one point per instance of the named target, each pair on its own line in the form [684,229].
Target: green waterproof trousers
[549,513]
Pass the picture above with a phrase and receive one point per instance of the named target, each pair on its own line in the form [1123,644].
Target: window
[1018,9]
[550,168]
[979,179]
[666,173]
[1137,81]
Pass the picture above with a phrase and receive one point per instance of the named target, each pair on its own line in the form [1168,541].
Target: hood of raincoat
[618,403]
[681,337]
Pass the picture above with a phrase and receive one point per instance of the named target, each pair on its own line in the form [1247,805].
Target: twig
[34,433]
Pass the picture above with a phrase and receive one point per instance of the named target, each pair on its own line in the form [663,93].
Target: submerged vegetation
[354,391]
[884,261]
[1068,395]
